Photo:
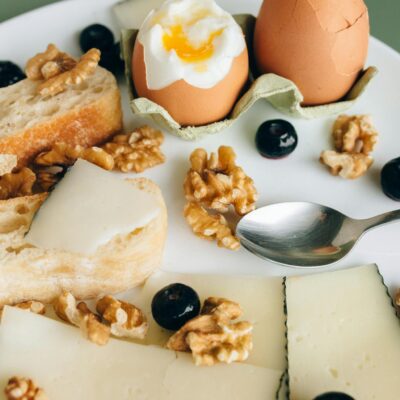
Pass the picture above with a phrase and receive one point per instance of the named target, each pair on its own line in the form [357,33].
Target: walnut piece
[48,64]
[23,389]
[50,166]
[126,320]
[79,315]
[65,155]
[346,165]
[354,134]
[223,308]
[217,182]
[48,177]
[212,337]
[59,70]
[355,138]
[210,227]
[397,298]
[35,307]
[137,151]
[17,184]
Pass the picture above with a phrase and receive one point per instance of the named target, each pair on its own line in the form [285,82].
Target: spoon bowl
[304,234]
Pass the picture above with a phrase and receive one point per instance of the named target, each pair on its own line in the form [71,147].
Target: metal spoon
[304,234]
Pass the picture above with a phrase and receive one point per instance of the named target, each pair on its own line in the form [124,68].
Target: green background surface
[384,14]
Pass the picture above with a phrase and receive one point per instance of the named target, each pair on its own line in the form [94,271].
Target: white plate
[299,177]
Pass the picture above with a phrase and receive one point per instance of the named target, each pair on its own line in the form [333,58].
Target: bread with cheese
[31,273]
[85,114]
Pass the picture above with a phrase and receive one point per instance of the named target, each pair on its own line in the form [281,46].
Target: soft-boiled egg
[321,45]
[191,58]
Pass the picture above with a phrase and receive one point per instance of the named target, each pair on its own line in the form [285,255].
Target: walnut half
[137,151]
[65,155]
[35,307]
[354,138]
[212,337]
[346,165]
[126,320]
[210,227]
[354,134]
[23,389]
[79,315]
[32,306]
[397,298]
[216,184]
[59,70]
[17,184]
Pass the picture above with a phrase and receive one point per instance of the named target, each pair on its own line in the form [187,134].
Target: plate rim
[60,3]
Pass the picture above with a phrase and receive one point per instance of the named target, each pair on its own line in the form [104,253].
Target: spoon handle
[382,219]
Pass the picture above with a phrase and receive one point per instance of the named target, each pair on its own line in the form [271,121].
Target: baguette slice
[30,273]
[85,114]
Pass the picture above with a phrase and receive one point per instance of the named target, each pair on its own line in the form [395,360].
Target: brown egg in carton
[282,93]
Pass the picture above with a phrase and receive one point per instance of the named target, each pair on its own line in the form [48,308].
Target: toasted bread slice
[85,114]
[30,273]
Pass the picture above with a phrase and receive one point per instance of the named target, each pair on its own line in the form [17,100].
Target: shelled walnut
[210,227]
[59,70]
[349,166]
[354,138]
[23,389]
[137,151]
[397,298]
[50,166]
[79,315]
[216,183]
[212,337]
[125,319]
[32,306]
[64,155]
[35,307]
[48,177]
[17,184]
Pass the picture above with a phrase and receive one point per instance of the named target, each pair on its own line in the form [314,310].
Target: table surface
[384,15]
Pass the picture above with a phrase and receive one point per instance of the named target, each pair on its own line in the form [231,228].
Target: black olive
[175,305]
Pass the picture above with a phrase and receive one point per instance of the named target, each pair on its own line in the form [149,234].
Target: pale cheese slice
[343,335]
[69,367]
[132,13]
[88,208]
[261,299]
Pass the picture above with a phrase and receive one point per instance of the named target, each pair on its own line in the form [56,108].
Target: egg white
[199,21]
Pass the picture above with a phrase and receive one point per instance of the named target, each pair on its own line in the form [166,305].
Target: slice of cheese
[343,335]
[69,367]
[88,208]
[260,298]
[131,14]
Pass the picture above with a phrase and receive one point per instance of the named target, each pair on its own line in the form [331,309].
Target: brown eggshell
[321,45]
[189,105]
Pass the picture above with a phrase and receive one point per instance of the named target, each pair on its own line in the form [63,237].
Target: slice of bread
[85,114]
[30,273]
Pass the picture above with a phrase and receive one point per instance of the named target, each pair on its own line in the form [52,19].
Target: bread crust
[85,125]
[29,273]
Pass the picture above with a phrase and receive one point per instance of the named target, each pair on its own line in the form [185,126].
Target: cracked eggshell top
[321,45]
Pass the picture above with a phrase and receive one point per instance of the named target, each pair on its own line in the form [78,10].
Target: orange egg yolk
[186,51]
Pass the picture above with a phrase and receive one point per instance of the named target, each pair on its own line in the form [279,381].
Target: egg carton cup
[282,93]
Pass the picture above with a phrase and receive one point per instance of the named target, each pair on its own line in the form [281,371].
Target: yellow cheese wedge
[343,335]
[69,367]
[261,299]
